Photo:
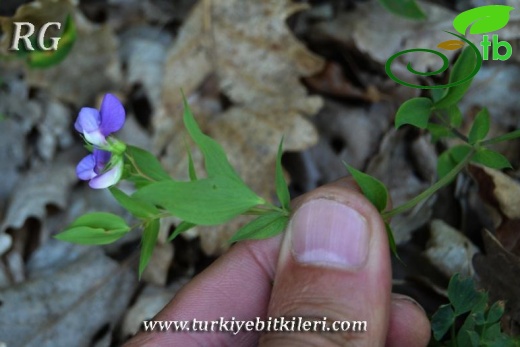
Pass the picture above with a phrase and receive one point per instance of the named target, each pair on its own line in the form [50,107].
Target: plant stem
[452,129]
[430,191]
[509,136]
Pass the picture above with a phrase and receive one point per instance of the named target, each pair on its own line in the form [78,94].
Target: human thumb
[333,279]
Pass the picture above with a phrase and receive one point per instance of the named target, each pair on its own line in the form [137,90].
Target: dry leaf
[450,250]
[48,185]
[73,294]
[258,64]
[502,194]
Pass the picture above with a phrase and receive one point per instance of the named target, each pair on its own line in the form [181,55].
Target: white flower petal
[108,178]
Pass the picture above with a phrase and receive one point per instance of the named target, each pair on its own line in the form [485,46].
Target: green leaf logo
[482,19]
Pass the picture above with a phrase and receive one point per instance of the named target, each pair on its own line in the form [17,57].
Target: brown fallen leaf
[257,63]
[450,250]
[501,193]
[73,294]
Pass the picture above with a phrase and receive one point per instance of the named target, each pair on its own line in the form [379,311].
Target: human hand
[333,261]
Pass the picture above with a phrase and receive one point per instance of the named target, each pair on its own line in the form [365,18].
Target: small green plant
[479,322]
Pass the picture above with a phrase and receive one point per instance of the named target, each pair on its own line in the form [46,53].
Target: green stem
[450,128]
[430,191]
[509,136]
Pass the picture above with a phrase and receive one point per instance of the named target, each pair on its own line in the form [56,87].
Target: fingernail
[328,233]
[398,298]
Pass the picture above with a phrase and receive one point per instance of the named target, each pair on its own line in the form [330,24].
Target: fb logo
[29,31]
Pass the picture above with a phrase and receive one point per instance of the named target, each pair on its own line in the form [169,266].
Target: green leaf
[480,127]
[90,236]
[483,19]
[374,190]
[445,163]
[442,320]
[265,226]
[391,240]
[463,68]
[491,159]
[43,59]
[145,165]
[215,159]
[495,312]
[415,112]
[492,333]
[209,201]
[102,220]
[191,166]
[282,191]
[149,239]
[404,8]
[462,294]
[96,228]
[138,208]
[182,227]
[455,116]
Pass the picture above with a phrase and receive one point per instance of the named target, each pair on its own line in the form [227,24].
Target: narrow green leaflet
[138,208]
[463,68]
[491,159]
[415,112]
[391,240]
[182,227]
[483,19]
[263,227]
[282,191]
[480,127]
[404,8]
[455,116]
[215,159]
[191,166]
[209,201]
[90,236]
[44,59]
[96,228]
[374,190]
[145,164]
[148,241]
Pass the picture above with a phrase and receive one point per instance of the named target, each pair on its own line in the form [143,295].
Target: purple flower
[97,125]
[94,168]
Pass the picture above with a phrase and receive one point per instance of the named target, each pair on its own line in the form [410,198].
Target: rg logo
[26,37]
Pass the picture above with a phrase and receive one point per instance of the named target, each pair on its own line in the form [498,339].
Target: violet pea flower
[94,168]
[97,125]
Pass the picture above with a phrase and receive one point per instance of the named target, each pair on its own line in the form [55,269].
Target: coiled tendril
[388,66]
